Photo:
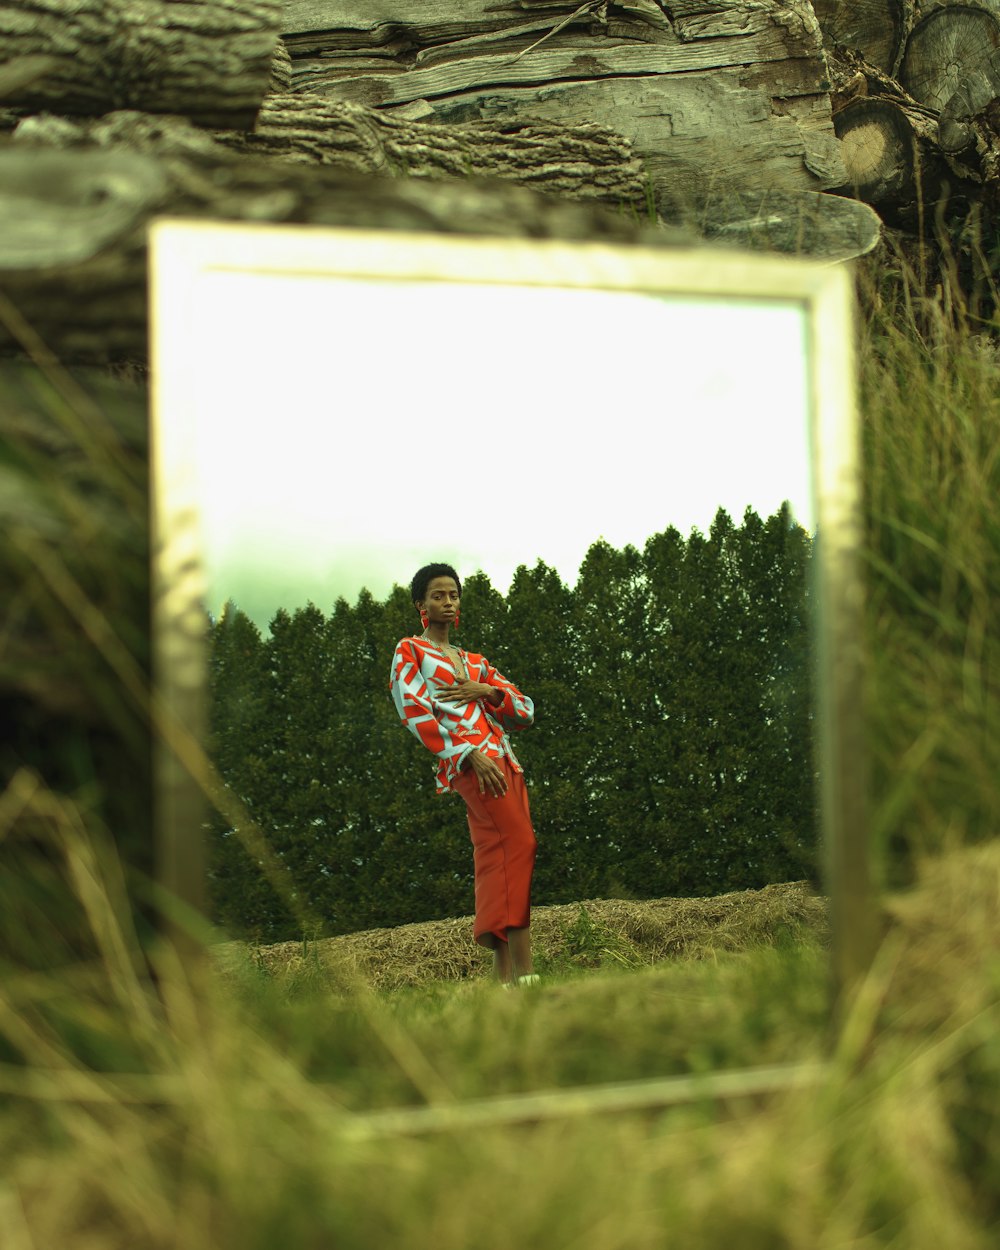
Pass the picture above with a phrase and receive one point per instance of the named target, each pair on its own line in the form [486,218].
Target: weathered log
[715,93]
[893,159]
[975,99]
[969,125]
[805,223]
[210,60]
[83,291]
[879,147]
[852,76]
[944,47]
[585,161]
[874,28]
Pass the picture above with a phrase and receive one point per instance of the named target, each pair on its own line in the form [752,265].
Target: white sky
[349,432]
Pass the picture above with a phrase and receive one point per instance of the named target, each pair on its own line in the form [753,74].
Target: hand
[489,773]
[465,691]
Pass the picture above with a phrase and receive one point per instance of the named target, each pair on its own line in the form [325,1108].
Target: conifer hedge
[671,754]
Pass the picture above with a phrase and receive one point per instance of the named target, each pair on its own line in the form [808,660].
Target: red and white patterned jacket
[420,671]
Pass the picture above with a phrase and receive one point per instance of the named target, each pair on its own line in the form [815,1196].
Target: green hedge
[671,753]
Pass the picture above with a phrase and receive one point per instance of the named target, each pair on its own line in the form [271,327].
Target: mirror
[333,409]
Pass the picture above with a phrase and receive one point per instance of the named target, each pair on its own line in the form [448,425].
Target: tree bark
[210,60]
[585,162]
[711,93]
[73,227]
[281,68]
[851,76]
[944,47]
[581,162]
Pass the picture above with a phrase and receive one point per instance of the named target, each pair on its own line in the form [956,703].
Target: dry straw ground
[593,933]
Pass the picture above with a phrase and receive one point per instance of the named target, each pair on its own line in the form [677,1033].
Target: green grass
[930,392]
[759,1008]
[226,1117]
[177,1110]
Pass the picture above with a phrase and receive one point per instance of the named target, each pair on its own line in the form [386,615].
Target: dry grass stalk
[627,932]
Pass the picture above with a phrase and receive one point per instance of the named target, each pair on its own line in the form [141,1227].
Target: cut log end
[945,47]
[877,145]
[975,97]
[872,27]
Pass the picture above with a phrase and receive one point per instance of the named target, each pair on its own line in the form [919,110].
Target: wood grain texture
[895,161]
[709,92]
[583,162]
[72,210]
[971,117]
[874,28]
[801,223]
[206,59]
[732,32]
[945,46]
[696,134]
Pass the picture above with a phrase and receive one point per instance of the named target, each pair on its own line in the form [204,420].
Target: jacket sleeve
[415,706]
[516,711]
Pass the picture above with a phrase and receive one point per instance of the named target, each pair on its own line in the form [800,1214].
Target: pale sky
[349,432]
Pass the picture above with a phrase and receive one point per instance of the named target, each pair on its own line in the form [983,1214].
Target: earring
[424,618]
[458,617]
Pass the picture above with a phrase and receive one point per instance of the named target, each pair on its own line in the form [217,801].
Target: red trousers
[503,842]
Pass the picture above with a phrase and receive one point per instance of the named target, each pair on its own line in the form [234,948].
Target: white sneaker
[527,979]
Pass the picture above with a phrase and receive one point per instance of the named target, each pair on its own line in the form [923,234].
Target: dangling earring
[458,616]
[423,618]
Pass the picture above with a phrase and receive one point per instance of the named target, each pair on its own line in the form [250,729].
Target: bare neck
[438,633]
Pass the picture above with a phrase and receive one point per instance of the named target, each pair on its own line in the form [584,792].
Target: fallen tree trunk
[210,60]
[714,94]
[73,228]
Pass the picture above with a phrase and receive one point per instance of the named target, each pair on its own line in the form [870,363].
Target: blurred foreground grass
[145,1103]
[232,1113]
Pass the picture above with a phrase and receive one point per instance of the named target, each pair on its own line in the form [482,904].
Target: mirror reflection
[620,481]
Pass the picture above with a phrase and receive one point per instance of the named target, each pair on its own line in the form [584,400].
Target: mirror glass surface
[335,408]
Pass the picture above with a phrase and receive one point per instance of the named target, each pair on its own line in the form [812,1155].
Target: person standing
[459,707]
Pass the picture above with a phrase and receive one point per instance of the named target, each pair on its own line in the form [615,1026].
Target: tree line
[671,755]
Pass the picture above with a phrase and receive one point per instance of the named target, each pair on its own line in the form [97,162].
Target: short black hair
[423,578]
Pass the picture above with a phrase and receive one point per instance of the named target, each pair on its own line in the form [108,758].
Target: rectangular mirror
[333,409]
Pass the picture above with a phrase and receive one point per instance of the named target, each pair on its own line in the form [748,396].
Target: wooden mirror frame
[182,252]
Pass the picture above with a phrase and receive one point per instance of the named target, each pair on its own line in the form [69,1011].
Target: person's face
[442,600]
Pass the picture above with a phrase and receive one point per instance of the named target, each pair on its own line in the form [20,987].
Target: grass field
[231,1102]
[245,1114]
